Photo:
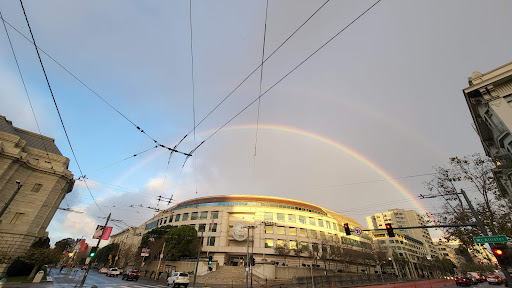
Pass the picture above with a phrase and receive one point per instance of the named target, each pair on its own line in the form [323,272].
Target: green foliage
[445,265]
[41,256]
[281,250]
[64,244]
[103,253]
[181,242]
[41,243]
[158,232]
[19,268]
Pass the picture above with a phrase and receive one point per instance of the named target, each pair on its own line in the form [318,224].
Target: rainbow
[354,154]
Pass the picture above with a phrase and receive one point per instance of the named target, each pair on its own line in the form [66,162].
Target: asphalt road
[61,280]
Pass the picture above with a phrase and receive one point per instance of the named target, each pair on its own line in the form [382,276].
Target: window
[313,234]
[334,226]
[202,227]
[211,241]
[327,224]
[314,247]
[291,219]
[204,215]
[269,229]
[17,218]
[269,216]
[177,218]
[194,216]
[304,245]
[185,216]
[192,225]
[280,217]
[165,220]
[170,218]
[281,230]
[302,220]
[303,232]
[269,243]
[322,235]
[36,187]
[213,227]
[215,215]
[312,221]
[292,231]
[281,243]
[391,241]
[293,244]
[320,222]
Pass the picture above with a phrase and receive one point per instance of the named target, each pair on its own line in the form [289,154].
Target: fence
[346,280]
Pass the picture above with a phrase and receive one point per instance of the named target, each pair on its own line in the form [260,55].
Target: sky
[382,100]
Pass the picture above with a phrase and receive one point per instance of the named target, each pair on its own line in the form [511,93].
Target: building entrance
[236,261]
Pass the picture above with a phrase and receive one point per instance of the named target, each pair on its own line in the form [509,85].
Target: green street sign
[490,239]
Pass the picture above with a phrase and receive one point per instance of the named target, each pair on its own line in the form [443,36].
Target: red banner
[83,246]
[99,231]
[106,234]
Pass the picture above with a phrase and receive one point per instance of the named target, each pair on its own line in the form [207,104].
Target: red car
[463,281]
[131,275]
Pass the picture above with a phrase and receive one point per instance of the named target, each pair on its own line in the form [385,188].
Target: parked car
[113,272]
[131,275]
[463,281]
[103,270]
[494,280]
[85,267]
[178,279]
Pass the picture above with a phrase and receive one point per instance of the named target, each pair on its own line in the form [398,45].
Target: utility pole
[97,245]
[197,260]
[160,260]
[480,224]
[252,251]
[247,259]
[10,199]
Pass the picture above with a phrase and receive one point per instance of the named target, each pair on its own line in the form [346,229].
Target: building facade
[489,98]
[36,162]
[399,218]
[275,222]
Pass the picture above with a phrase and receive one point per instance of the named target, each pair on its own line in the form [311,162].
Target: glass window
[213,227]
[215,215]
[170,218]
[320,222]
[302,219]
[314,247]
[204,215]
[269,243]
[202,227]
[280,217]
[192,225]
[194,216]
[304,245]
[303,232]
[211,241]
[185,217]
[313,234]
[269,216]
[281,230]
[327,224]
[177,218]
[312,221]
[291,218]
[281,243]
[37,187]
[165,220]
[334,226]
[292,231]
[269,229]
[293,244]
[322,235]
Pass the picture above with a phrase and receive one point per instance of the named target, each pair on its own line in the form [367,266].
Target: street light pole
[97,245]
[197,260]
[10,199]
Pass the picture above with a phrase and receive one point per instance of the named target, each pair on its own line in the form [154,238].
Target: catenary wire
[56,106]
[256,69]
[26,93]
[193,87]
[291,71]
[117,162]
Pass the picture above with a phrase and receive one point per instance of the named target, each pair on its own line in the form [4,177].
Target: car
[113,272]
[463,281]
[178,279]
[85,267]
[131,275]
[103,270]
[494,280]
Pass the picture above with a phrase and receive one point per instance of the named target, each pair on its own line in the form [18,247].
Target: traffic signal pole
[97,245]
[197,260]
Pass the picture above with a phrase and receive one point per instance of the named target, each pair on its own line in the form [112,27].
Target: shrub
[303,265]
[19,268]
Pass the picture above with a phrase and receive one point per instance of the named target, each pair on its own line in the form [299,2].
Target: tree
[474,174]
[181,242]
[282,251]
[300,249]
[102,255]
[64,244]
[40,254]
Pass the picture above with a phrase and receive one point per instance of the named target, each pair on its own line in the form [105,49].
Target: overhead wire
[193,88]
[291,71]
[26,93]
[56,106]
[124,159]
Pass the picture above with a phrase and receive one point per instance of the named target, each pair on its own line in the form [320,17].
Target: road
[61,280]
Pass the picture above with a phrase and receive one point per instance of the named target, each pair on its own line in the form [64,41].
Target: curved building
[274,221]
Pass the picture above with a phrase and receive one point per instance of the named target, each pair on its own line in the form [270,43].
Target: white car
[113,272]
[178,279]
[103,270]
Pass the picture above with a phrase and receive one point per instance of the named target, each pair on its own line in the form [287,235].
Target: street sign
[358,231]
[490,239]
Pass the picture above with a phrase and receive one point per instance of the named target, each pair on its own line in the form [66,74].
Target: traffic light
[502,253]
[347,229]
[253,261]
[498,253]
[93,251]
[389,228]
[210,258]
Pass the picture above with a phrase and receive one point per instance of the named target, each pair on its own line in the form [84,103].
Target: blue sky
[389,87]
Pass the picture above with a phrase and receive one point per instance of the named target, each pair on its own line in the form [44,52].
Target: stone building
[37,163]
[489,98]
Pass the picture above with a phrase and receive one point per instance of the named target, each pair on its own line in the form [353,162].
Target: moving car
[131,275]
[178,279]
[113,272]
[463,281]
[103,270]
